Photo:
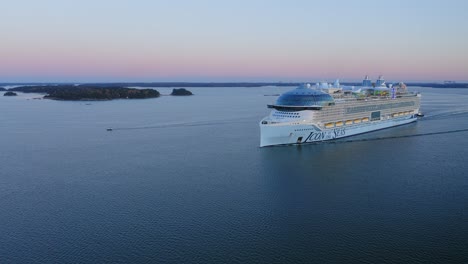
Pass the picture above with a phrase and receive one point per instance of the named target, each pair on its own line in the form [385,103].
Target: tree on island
[181,91]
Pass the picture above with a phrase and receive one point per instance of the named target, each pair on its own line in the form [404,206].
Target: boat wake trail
[396,137]
[186,124]
[444,115]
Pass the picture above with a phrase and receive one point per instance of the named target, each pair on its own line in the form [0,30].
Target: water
[182,179]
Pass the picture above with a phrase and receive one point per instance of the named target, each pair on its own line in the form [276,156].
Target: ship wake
[188,124]
[396,137]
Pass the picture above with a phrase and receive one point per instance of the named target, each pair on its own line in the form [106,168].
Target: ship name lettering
[323,135]
[339,132]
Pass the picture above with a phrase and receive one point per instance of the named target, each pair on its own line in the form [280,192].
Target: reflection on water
[183,180]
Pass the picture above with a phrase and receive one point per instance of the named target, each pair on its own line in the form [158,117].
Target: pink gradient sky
[70,41]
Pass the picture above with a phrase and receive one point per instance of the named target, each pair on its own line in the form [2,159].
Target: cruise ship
[329,111]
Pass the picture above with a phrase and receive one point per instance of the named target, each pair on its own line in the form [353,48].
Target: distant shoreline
[224,84]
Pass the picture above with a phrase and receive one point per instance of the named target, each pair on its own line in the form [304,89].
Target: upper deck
[325,95]
[303,98]
[342,104]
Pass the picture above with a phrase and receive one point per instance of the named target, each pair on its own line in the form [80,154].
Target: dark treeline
[164,84]
[440,85]
[196,84]
[226,84]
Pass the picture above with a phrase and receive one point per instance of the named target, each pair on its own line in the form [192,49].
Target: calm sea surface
[182,180]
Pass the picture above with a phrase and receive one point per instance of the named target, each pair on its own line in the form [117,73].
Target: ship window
[375,116]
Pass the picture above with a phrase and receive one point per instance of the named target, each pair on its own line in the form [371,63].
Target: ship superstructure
[329,111]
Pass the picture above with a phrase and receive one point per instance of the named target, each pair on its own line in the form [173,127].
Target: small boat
[419,114]
[109,129]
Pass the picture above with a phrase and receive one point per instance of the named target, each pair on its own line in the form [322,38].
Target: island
[88,92]
[181,91]
[9,94]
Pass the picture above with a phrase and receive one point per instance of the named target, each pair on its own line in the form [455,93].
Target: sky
[242,40]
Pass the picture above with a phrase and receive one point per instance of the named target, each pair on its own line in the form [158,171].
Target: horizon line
[221,82]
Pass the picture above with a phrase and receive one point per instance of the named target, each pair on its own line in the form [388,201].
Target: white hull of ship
[286,134]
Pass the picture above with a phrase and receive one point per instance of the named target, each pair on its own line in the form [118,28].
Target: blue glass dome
[304,96]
